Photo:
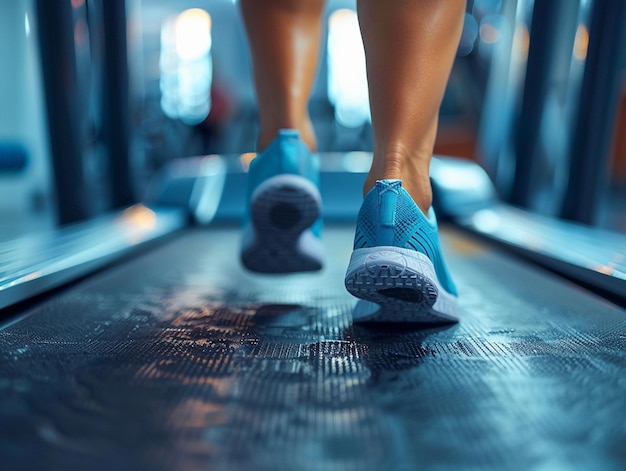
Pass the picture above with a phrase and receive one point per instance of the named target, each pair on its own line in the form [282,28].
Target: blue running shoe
[397,261]
[283,227]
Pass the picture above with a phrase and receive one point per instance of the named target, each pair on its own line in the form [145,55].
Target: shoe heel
[402,281]
[283,210]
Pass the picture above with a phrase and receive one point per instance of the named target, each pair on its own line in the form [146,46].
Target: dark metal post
[552,33]
[593,127]
[58,60]
[115,102]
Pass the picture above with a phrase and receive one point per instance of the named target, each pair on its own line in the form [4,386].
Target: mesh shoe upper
[286,154]
[390,217]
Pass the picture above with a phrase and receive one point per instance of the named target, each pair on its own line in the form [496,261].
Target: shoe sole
[278,238]
[403,283]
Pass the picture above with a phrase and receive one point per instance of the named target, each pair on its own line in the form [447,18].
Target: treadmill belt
[178,359]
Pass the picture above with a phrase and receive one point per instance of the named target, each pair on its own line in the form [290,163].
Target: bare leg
[410,46]
[284,36]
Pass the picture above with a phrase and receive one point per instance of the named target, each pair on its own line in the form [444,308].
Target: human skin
[284,38]
[410,47]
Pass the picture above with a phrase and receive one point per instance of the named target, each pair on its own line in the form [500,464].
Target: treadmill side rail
[33,264]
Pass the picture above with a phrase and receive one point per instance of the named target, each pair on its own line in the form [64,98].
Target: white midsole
[402,262]
[288,179]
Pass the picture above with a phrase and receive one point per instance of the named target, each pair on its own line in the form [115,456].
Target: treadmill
[137,341]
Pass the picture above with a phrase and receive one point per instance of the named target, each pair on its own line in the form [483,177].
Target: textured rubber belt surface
[181,360]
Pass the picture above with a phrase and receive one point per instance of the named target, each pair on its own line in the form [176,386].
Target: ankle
[413,171]
[307,134]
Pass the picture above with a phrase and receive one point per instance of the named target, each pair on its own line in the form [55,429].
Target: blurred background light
[581,43]
[493,31]
[521,42]
[193,34]
[357,161]
[468,36]
[347,79]
[186,66]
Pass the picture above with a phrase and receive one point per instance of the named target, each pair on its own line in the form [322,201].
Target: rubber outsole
[403,283]
[278,238]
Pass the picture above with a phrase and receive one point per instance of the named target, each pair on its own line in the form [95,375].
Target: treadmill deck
[179,359]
